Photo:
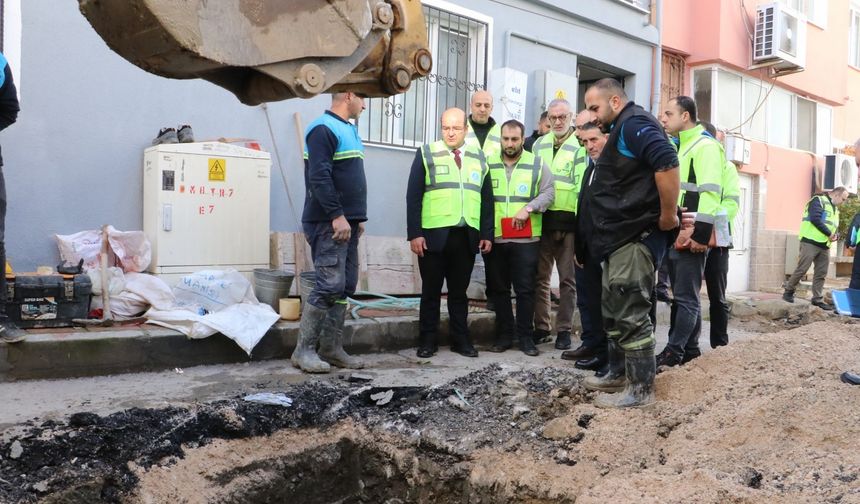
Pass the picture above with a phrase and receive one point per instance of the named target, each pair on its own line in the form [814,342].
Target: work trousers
[513,264]
[810,254]
[453,264]
[556,247]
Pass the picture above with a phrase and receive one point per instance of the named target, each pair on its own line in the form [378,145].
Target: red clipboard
[508,230]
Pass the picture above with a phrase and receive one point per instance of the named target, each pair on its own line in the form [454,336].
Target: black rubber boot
[641,369]
[305,355]
[331,340]
[562,340]
[527,345]
[614,380]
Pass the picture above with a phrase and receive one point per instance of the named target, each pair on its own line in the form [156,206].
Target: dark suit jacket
[437,237]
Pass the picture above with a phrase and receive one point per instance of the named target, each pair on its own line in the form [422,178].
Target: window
[854,36]
[672,81]
[781,108]
[460,46]
[730,100]
[814,10]
[702,91]
[805,131]
[755,110]
[644,5]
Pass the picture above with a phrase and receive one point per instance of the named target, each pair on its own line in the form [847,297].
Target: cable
[384,303]
[280,165]
[744,18]
[758,106]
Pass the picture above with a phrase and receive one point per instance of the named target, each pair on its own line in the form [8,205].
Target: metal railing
[459,46]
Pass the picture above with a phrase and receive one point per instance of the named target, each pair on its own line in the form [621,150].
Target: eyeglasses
[455,129]
[558,118]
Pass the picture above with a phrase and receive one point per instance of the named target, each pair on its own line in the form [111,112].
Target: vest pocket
[440,203]
[565,197]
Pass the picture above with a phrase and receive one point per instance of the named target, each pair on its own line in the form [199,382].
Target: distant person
[542,129]
[817,232]
[9,332]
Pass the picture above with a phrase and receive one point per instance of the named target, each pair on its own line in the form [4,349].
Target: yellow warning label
[217,169]
[560,94]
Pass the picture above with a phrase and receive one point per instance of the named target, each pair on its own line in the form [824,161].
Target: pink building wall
[713,32]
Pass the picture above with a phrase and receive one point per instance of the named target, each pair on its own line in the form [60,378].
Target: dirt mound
[760,421]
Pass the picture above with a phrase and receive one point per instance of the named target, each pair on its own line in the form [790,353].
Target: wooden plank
[362,263]
[388,250]
[391,280]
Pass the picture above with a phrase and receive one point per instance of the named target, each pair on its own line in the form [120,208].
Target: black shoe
[604,369]
[562,340]
[491,306]
[528,347]
[823,305]
[788,296]
[465,351]
[541,336]
[500,347]
[583,352]
[690,355]
[668,358]
[850,378]
[591,364]
[425,353]
[10,333]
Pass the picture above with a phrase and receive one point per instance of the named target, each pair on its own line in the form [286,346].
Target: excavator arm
[270,50]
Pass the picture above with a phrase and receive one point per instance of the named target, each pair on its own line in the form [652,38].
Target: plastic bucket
[307,282]
[272,285]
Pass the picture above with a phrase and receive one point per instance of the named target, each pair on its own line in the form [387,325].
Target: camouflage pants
[628,279]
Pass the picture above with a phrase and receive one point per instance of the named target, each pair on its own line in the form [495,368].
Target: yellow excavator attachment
[270,50]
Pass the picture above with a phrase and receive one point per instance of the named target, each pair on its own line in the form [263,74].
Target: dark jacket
[437,237]
[8,98]
[816,217]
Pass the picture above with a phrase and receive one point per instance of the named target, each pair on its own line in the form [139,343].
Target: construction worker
[817,233]
[702,162]
[522,190]
[333,220]
[588,271]
[542,129]
[632,207]
[717,263]
[449,217]
[9,332]
[559,148]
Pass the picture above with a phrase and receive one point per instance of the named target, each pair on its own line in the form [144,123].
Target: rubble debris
[270,398]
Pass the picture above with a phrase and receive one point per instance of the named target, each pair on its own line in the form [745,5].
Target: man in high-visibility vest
[482,132]
[333,219]
[560,150]
[717,263]
[701,160]
[817,233]
[522,190]
[449,218]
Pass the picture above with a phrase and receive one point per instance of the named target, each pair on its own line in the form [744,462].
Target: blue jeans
[335,262]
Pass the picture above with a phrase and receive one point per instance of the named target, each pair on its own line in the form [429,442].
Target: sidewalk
[80,352]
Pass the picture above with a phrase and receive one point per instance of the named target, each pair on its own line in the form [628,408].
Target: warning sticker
[217,169]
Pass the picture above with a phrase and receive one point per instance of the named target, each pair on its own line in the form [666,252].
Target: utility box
[509,88]
[36,301]
[550,85]
[206,206]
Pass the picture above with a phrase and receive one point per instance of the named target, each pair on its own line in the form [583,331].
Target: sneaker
[166,136]
[668,358]
[10,333]
[788,296]
[185,134]
[541,336]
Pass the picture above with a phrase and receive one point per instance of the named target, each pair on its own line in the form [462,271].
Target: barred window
[459,46]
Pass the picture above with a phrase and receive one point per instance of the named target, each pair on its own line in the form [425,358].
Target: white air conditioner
[737,149]
[780,38]
[840,170]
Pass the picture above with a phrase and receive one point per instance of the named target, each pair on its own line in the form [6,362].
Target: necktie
[457,158]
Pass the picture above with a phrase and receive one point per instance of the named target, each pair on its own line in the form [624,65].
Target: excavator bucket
[270,50]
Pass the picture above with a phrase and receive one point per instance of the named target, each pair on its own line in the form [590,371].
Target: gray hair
[559,101]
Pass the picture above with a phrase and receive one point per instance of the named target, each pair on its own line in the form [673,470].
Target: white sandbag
[115,277]
[129,249]
[209,291]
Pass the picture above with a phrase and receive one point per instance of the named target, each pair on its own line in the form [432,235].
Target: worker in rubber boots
[559,149]
[522,190]
[817,233]
[449,218]
[333,220]
[632,205]
[702,162]
[9,332]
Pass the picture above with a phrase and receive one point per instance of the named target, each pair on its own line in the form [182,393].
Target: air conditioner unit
[840,170]
[780,39]
[737,149]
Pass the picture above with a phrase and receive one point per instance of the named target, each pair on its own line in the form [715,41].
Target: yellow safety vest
[567,167]
[451,194]
[492,144]
[511,196]
[831,219]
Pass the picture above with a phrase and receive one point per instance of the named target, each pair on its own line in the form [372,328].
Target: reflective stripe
[736,199]
[688,149]
[569,148]
[535,176]
[689,187]
[561,178]
[431,166]
[710,188]
[473,155]
[708,219]
[500,199]
[443,153]
[348,154]
[444,185]
[496,166]
[520,199]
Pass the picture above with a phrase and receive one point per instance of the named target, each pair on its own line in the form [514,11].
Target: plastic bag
[209,291]
[129,249]
[115,277]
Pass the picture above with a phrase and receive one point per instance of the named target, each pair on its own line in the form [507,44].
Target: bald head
[583,118]
[481,106]
[454,127]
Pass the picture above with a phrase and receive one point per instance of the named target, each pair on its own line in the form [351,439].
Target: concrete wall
[73,160]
